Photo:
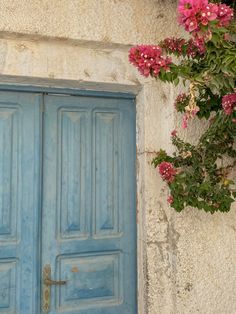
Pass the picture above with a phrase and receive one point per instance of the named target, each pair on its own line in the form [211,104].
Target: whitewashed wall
[187,261]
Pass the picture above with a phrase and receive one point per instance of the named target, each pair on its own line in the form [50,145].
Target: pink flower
[174,133]
[191,24]
[167,171]
[170,199]
[228,103]
[190,7]
[209,13]
[198,42]
[190,12]
[149,59]
[193,14]
[225,14]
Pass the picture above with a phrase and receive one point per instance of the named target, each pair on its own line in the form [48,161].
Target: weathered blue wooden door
[88,206]
[76,215]
[19,202]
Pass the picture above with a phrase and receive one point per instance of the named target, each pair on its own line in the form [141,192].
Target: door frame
[16,87]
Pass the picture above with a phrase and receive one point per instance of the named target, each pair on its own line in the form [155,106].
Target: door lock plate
[47,283]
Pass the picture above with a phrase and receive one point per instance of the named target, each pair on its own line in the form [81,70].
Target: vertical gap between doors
[40,214]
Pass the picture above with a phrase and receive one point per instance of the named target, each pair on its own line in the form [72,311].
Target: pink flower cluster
[196,13]
[228,103]
[197,44]
[225,14]
[181,101]
[170,199]
[167,171]
[190,113]
[180,46]
[149,59]
[173,44]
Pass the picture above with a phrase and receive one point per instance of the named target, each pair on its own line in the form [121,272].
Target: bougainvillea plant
[199,175]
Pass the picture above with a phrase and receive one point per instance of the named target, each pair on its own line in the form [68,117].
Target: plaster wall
[186,261]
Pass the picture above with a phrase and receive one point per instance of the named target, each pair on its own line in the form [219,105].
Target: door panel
[88,222]
[19,204]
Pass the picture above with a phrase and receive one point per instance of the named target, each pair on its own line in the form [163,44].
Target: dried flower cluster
[179,46]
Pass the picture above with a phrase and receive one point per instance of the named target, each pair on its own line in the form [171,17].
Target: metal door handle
[47,283]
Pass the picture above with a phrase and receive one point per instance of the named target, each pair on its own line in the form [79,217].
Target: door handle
[47,283]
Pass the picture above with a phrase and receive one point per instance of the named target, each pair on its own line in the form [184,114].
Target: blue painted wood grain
[89,216]
[19,203]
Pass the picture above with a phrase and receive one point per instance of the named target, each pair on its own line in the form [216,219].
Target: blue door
[88,226]
[19,202]
[67,204]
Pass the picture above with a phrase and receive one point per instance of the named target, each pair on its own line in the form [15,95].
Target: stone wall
[187,261]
